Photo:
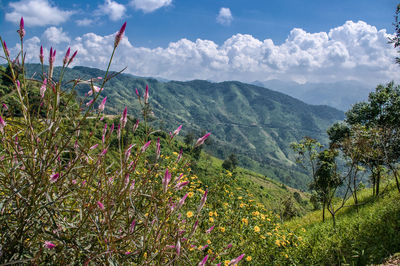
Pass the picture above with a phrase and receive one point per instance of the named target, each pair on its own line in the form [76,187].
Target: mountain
[255,123]
[340,95]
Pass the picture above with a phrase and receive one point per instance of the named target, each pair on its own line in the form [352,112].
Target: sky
[217,40]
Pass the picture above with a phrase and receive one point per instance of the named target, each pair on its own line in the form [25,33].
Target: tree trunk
[323,210]
[378,180]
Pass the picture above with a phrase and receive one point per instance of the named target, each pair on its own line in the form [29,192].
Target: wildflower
[93,147]
[7,52]
[248,258]
[222,229]
[119,35]
[128,151]
[21,30]
[190,194]
[90,102]
[104,152]
[210,229]
[124,117]
[2,124]
[189,214]
[5,107]
[158,150]
[41,55]
[72,57]
[176,132]
[49,245]
[179,156]
[43,88]
[54,177]
[165,181]
[203,201]
[236,261]
[100,205]
[95,89]
[211,220]
[66,57]
[182,201]
[132,227]
[137,92]
[204,260]
[256,229]
[179,186]
[201,140]
[146,94]
[135,126]
[52,58]
[145,146]
[102,104]
[245,221]
[178,248]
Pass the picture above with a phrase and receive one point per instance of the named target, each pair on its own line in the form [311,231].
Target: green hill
[255,123]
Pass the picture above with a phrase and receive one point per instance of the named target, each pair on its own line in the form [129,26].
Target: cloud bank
[148,6]
[225,16]
[353,51]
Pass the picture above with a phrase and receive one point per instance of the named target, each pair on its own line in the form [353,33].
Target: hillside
[255,123]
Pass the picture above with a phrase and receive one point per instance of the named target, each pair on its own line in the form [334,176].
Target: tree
[230,163]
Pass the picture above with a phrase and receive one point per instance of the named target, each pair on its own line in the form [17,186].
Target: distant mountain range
[340,95]
[255,123]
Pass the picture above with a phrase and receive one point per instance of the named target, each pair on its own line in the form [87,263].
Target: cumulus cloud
[55,36]
[353,51]
[114,10]
[148,6]
[84,22]
[37,13]
[225,16]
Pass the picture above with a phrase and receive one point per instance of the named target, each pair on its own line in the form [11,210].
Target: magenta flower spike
[145,146]
[43,87]
[158,150]
[137,92]
[176,132]
[135,126]
[128,151]
[179,186]
[165,181]
[90,102]
[203,262]
[132,227]
[102,104]
[146,94]
[119,35]
[210,229]
[124,117]
[7,52]
[178,248]
[41,55]
[21,30]
[179,155]
[2,124]
[182,201]
[236,261]
[104,152]
[54,177]
[49,245]
[66,57]
[203,201]
[18,85]
[5,107]
[72,57]
[94,147]
[103,137]
[201,140]
[112,128]
[100,205]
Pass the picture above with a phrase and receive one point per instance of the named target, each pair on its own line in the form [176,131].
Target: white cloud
[37,13]
[353,51]
[84,22]
[55,36]
[114,10]
[225,16]
[148,6]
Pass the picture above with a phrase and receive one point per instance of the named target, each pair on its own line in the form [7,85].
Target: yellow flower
[256,213]
[145,255]
[210,214]
[226,263]
[208,241]
[248,258]
[215,214]
[222,229]
[211,220]
[241,205]
[189,214]
[262,237]
[256,229]
[244,220]
[190,194]
[240,198]
[277,242]
[209,251]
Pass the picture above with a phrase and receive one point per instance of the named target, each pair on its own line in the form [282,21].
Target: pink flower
[49,245]
[201,140]
[103,137]
[236,261]
[158,150]
[182,201]
[179,156]
[7,52]
[203,201]
[119,35]
[145,146]
[100,205]
[93,147]
[124,117]
[18,85]
[5,106]
[132,227]
[72,57]
[176,132]
[66,57]
[52,56]
[41,55]
[90,102]
[203,262]
[128,151]
[179,186]
[178,248]
[2,124]
[54,177]
[210,229]
[137,92]
[21,30]
[95,89]
[104,152]
[102,104]
[135,126]
[146,94]
[165,181]
[43,87]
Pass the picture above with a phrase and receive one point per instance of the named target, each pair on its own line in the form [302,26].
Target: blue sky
[304,41]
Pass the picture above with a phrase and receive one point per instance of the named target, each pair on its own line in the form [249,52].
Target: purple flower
[104,152]
[95,89]
[102,104]
[165,181]
[93,147]
[203,262]
[119,35]
[7,52]
[72,57]
[124,117]
[176,132]
[203,201]
[43,87]
[179,156]
[182,201]
[178,248]
[210,229]
[5,107]
[132,227]
[145,146]
[41,55]
[135,126]
[137,92]
[21,30]
[179,186]
[90,102]
[236,261]
[66,57]
[49,245]
[201,140]
[54,177]
[2,124]
[128,151]
[146,94]
[158,150]
[100,205]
